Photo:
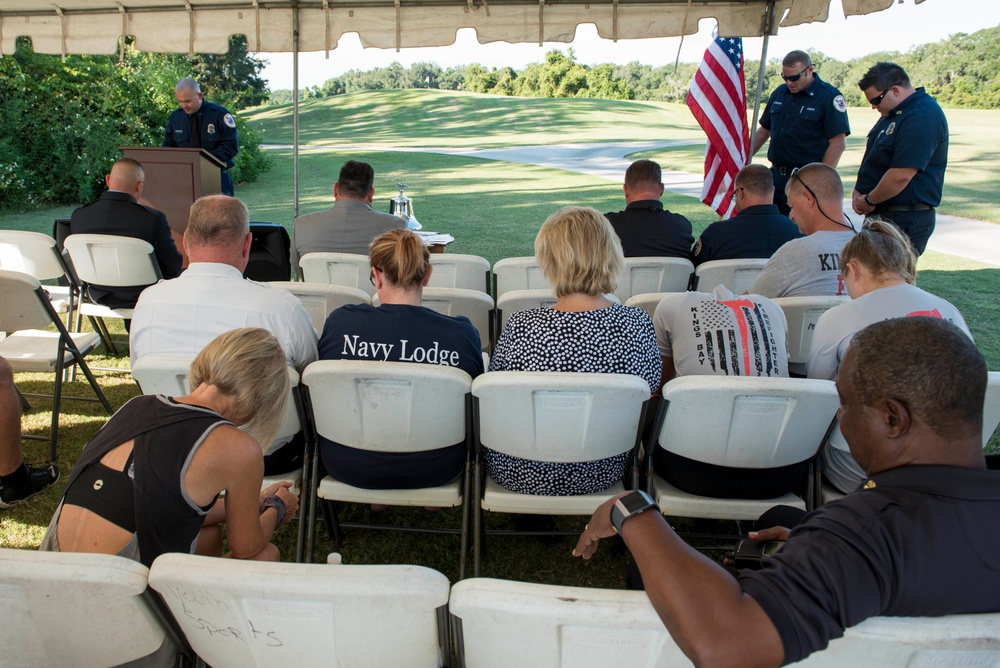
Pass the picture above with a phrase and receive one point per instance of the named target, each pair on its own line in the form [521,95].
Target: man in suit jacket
[350,225]
[118,212]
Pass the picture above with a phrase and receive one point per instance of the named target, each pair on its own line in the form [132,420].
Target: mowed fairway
[494,210]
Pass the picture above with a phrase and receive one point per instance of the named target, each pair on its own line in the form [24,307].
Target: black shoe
[38,479]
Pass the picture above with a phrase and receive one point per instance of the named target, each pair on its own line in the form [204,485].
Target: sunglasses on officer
[796,77]
[875,101]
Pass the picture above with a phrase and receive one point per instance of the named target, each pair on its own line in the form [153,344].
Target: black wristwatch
[869,202]
[628,506]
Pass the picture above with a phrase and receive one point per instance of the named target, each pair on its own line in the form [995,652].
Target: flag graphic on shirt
[737,338]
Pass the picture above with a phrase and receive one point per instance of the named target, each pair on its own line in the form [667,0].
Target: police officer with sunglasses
[806,121]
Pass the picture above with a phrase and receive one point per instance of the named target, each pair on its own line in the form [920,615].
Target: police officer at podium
[200,124]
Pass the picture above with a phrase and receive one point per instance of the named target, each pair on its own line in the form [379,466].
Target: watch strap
[630,505]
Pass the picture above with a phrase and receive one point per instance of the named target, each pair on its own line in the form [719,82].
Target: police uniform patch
[210,129]
[891,128]
[697,247]
[839,104]
[229,120]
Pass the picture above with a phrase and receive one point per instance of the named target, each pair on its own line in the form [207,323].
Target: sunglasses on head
[798,177]
[796,77]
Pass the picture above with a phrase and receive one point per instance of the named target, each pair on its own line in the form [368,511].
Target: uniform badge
[839,104]
[229,120]
[210,129]
[891,128]
[697,247]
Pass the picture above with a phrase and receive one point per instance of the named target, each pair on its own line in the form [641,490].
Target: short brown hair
[822,179]
[579,252]
[643,172]
[218,220]
[356,179]
[756,179]
[881,248]
[402,256]
[796,58]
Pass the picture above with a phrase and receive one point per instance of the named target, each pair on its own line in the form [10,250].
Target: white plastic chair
[737,275]
[348,269]
[25,310]
[76,609]
[454,270]
[648,301]
[320,299]
[801,314]
[908,642]
[475,305]
[38,255]
[739,422]
[112,261]
[499,624]
[388,407]
[518,273]
[653,274]
[552,417]
[247,614]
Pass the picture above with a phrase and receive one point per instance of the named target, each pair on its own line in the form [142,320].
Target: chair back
[351,270]
[106,259]
[23,305]
[388,406]
[746,422]
[320,299]
[951,640]
[77,609]
[801,314]
[522,300]
[560,417]
[737,275]
[518,273]
[475,305]
[991,408]
[454,270]
[31,253]
[653,274]
[245,614]
[500,623]
[648,301]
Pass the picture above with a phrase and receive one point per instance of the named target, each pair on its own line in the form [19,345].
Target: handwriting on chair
[202,609]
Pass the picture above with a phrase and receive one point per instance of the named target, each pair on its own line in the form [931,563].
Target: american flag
[718,100]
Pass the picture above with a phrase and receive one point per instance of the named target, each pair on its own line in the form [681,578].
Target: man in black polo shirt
[645,227]
[806,121]
[919,538]
[758,228]
[902,173]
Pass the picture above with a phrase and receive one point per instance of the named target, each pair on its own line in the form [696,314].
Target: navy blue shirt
[646,229]
[218,131]
[755,232]
[914,134]
[802,124]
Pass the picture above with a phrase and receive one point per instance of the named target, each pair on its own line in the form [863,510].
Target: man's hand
[599,527]
[859,204]
[774,533]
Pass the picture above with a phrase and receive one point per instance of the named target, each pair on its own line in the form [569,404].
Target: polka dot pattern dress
[617,339]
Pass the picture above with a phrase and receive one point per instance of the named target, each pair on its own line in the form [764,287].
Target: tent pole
[768,22]
[295,106]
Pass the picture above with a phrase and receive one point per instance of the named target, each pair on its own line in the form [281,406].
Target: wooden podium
[175,178]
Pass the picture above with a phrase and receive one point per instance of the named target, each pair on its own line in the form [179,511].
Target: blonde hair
[250,366]
[882,248]
[401,256]
[579,252]
[218,220]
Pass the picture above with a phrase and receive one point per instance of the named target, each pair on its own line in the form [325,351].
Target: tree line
[63,121]
[961,72]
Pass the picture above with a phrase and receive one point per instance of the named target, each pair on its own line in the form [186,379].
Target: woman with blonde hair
[584,331]
[398,330]
[149,480]
[880,273]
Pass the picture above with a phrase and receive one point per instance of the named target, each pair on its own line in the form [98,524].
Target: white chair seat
[444,496]
[35,350]
[500,500]
[678,503]
[102,311]
[294,477]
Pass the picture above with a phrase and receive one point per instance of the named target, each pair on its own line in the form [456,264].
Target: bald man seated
[118,212]
[920,538]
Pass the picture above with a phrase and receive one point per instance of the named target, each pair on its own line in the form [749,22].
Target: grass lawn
[494,210]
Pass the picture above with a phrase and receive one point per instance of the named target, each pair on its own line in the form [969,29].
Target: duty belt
[904,207]
[783,170]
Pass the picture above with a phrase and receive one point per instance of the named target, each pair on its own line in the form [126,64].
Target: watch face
[635,500]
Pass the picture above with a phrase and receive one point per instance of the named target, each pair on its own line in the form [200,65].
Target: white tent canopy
[204,26]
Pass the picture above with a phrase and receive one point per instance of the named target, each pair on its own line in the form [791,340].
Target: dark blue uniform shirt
[914,134]
[218,135]
[646,229]
[755,232]
[802,124]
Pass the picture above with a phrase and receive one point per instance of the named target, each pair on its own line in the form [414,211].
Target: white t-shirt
[721,334]
[836,327]
[806,267]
